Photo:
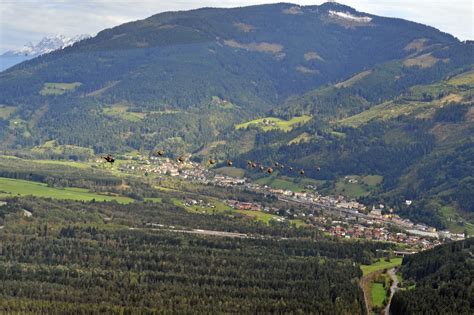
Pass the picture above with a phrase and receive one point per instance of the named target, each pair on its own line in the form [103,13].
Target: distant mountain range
[44,46]
[354,93]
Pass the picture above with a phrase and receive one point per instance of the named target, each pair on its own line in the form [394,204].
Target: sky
[22,21]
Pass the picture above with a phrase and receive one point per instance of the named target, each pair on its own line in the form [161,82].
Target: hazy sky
[22,21]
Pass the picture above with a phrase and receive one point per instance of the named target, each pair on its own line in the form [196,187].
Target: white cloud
[29,20]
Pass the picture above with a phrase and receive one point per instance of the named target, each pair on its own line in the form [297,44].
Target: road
[393,289]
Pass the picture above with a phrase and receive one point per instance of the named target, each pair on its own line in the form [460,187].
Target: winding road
[393,289]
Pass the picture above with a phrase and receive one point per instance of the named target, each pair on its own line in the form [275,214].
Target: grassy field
[121,111]
[288,183]
[231,171]
[275,123]
[466,78]
[351,81]
[378,294]
[279,183]
[58,88]
[157,200]
[14,187]
[454,222]
[298,222]
[53,147]
[258,215]
[372,180]
[6,111]
[361,185]
[304,137]
[219,206]
[351,190]
[82,165]
[416,103]
[380,265]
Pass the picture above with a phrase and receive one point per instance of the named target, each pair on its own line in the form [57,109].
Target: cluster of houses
[377,222]
[244,205]
[380,234]
[267,122]
[227,181]
[198,203]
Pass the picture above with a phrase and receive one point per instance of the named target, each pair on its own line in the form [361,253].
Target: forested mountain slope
[443,281]
[160,76]
[420,141]
[353,93]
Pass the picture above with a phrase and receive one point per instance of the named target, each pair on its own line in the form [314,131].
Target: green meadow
[304,137]
[15,187]
[58,88]
[279,183]
[6,111]
[378,294]
[121,111]
[231,171]
[380,265]
[274,123]
[362,187]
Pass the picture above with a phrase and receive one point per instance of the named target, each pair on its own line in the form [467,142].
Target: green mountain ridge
[379,93]
[442,281]
[420,142]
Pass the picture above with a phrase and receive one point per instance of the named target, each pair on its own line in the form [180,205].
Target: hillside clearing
[58,88]
[304,137]
[121,111]
[380,265]
[274,123]
[6,111]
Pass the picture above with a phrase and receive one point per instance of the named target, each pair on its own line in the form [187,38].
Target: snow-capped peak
[46,45]
[349,16]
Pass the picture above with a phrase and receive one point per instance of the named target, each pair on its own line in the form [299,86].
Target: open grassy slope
[17,187]
[274,123]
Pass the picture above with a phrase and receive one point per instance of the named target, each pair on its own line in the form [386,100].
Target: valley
[266,159]
[193,182]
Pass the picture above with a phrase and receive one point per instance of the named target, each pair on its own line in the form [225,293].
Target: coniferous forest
[443,279]
[66,258]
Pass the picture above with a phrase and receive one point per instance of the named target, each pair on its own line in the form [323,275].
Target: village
[332,215]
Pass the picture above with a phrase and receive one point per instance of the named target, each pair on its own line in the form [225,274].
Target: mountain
[30,50]
[237,62]
[357,94]
[46,45]
[419,142]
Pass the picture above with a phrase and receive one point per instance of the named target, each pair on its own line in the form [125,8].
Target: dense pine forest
[443,281]
[104,257]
